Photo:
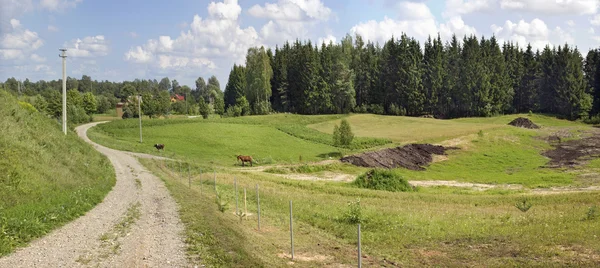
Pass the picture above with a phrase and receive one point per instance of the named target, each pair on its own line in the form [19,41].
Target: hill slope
[46,179]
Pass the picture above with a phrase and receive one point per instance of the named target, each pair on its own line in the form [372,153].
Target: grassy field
[404,129]
[431,227]
[46,179]
[269,139]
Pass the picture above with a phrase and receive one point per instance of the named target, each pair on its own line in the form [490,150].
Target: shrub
[383,179]
[346,134]
[376,109]
[395,110]
[523,205]
[203,108]
[336,136]
[77,115]
[354,213]
[28,107]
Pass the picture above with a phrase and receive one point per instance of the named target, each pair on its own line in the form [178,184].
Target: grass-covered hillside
[280,138]
[46,178]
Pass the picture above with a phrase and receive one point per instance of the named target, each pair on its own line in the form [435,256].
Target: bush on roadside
[383,179]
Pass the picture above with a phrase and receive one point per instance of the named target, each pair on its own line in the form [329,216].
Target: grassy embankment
[46,179]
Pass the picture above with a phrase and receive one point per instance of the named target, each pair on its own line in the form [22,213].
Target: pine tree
[526,95]
[592,77]
[501,82]
[449,99]
[235,85]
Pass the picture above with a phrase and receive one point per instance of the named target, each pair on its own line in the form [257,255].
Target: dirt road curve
[110,235]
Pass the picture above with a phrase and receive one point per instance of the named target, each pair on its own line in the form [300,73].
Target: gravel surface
[97,239]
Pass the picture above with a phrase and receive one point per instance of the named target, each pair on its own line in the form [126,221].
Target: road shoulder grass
[47,179]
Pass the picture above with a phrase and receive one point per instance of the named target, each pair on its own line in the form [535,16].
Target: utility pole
[64,82]
[140,115]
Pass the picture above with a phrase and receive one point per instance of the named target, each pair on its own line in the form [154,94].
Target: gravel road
[137,225]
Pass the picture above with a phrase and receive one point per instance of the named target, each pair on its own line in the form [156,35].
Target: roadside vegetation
[46,178]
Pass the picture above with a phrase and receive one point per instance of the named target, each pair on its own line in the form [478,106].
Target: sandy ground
[155,239]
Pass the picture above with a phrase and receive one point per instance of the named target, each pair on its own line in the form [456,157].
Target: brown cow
[159,146]
[245,158]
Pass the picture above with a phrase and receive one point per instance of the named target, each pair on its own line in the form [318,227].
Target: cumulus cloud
[419,25]
[133,34]
[462,7]
[217,36]
[19,43]
[52,28]
[571,23]
[292,10]
[535,32]
[553,7]
[90,46]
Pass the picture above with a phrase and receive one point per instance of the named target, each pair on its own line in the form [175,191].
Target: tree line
[459,78]
[470,77]
[86,97]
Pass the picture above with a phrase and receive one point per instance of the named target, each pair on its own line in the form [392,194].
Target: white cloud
[217,36]
[420,25]
[292,10]
[15,23]
[535,32]
[90,46]
[228,10]
[327,39]
[456,25]
[553,7]
[37,58]
[591,30]
[133,34]
[596,38]
[177,62]
[462,7]
[58,5]
[571,23]
[18,43]
[414,11]
[381,31]
[52,28]
[138,55]
[595,20]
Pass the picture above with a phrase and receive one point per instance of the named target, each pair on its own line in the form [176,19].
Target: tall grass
[46,178]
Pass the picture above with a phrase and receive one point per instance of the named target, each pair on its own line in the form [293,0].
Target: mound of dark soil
[574,152]
[411,156]
[523,122]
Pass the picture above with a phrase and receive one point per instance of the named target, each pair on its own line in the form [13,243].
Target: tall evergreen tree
[526,94]
[236,85]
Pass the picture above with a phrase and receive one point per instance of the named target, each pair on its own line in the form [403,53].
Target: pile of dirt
[574,152]
[411,156]
[523,122]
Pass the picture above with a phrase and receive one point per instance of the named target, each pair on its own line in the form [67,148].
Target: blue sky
[185,39]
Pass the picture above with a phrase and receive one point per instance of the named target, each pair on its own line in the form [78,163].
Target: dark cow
[159,146]
[244,159]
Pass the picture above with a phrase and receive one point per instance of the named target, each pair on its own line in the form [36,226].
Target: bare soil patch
[524,123]
[411,156]
[574,152]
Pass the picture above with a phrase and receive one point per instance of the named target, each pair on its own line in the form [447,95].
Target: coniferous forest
[444,78]
[457,78]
